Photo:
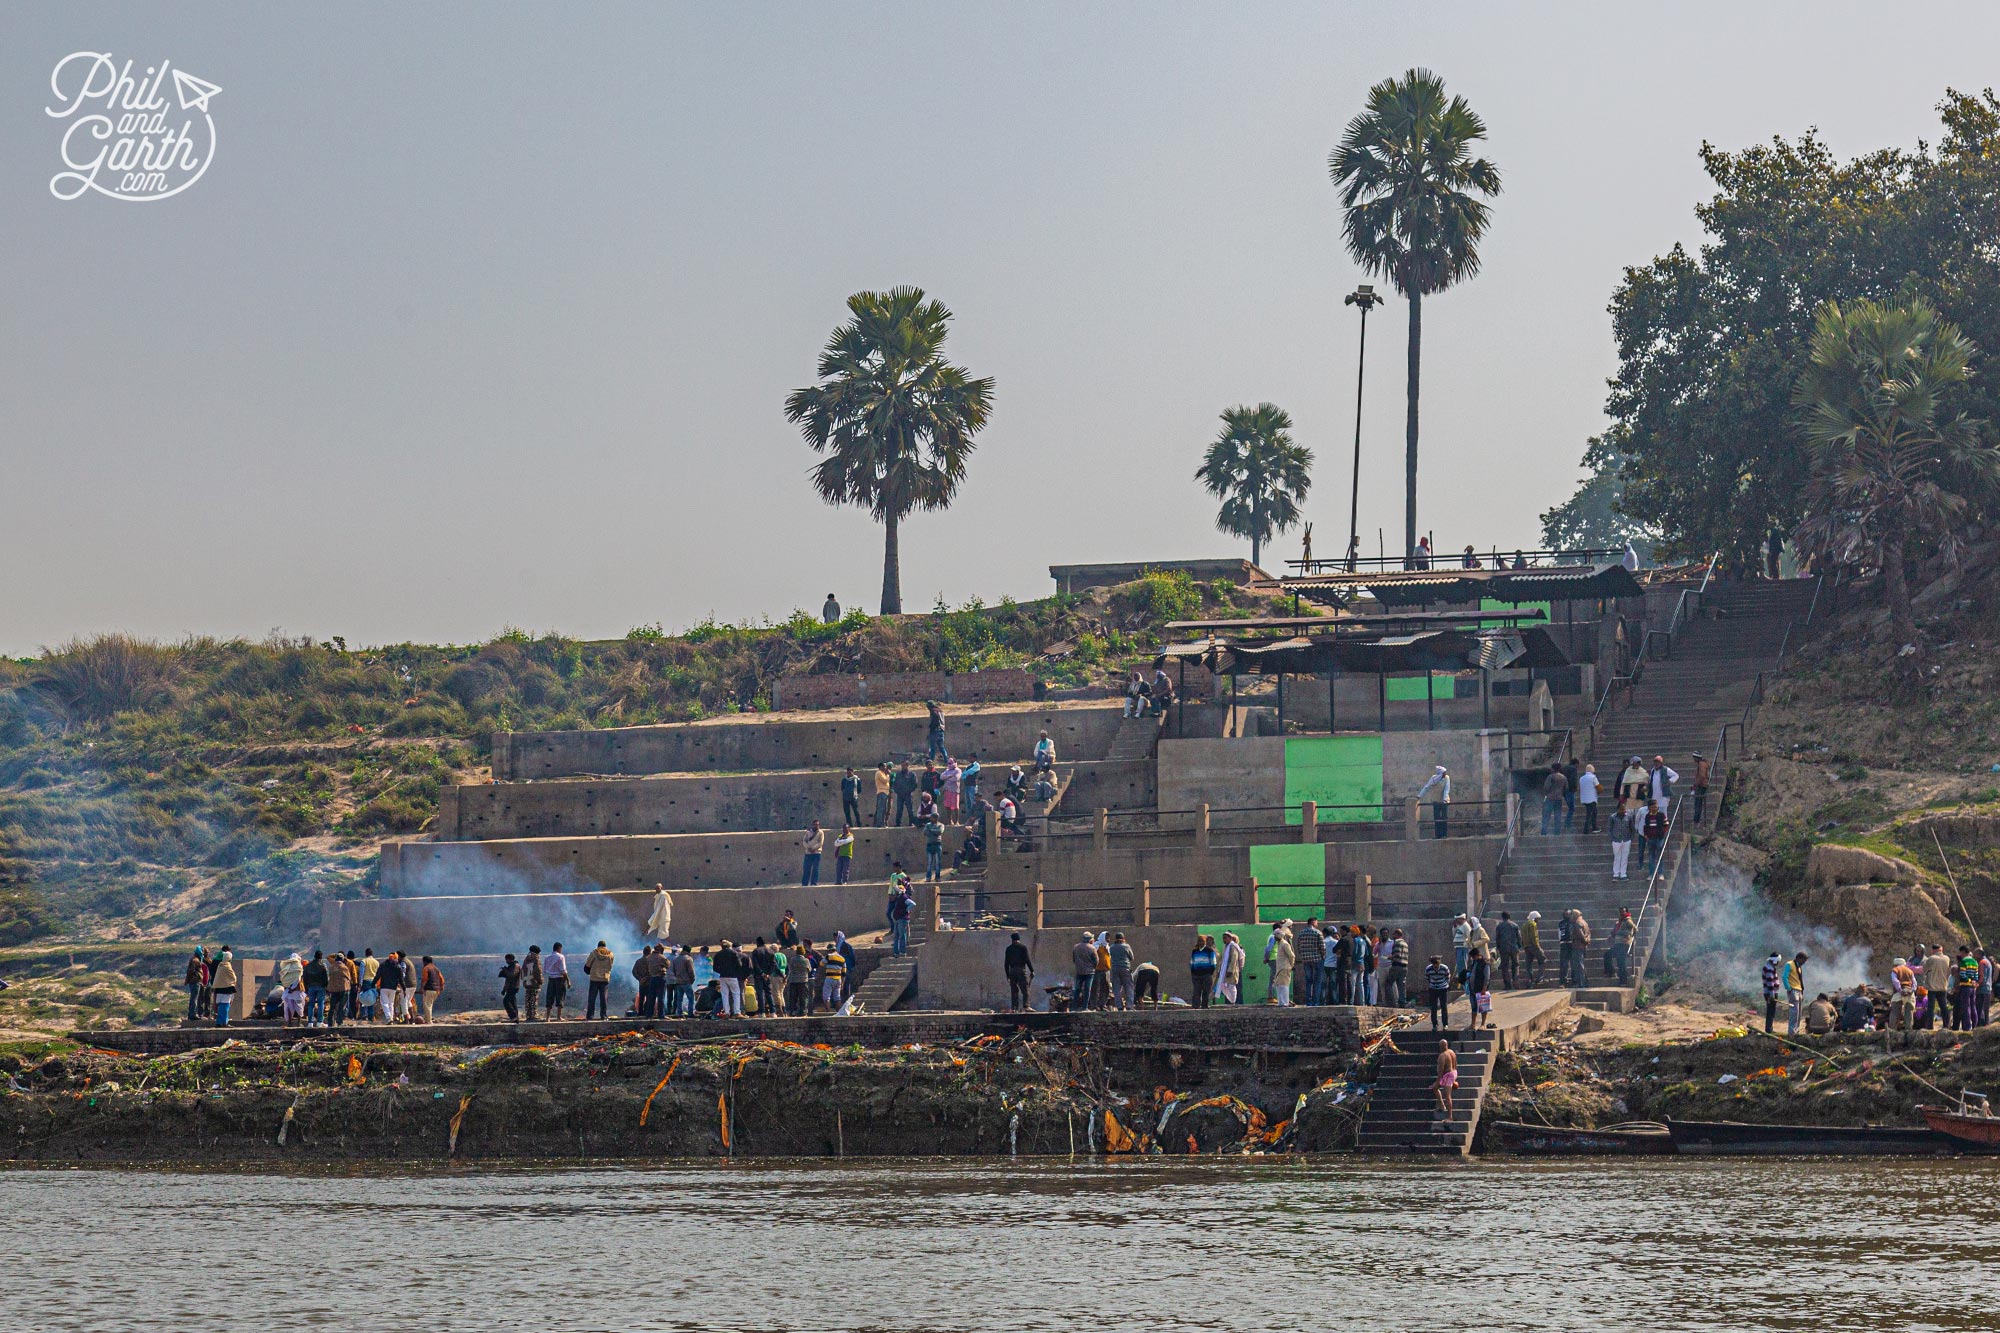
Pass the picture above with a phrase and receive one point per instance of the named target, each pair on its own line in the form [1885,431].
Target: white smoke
[1721,927]
[523,908]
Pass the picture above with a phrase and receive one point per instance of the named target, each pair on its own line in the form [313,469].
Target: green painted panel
[1488,604]
[1288,863]
[1335,772]
[1407,689]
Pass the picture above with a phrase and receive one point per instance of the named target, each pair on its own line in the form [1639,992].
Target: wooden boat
[1969,1130]
[1642,1138]
[1733,1138]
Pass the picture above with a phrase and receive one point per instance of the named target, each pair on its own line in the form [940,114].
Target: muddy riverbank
[645,1096]
[1856,1079]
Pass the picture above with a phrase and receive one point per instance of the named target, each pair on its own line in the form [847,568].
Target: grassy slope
[223,790]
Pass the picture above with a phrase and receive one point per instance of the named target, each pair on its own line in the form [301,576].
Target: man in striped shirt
[1771,968]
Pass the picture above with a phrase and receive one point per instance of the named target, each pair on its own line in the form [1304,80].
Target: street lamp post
[1365,297]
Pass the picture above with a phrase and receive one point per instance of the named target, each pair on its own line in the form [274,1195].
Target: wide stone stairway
[1685,695]
[577,827]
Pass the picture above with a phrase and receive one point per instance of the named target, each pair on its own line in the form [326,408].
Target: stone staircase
[1682,700]
[1402,1114]
[1679,706]
[1137,739]
[1553,874]
[893,978]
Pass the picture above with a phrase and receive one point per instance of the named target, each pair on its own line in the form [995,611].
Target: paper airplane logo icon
[194,93]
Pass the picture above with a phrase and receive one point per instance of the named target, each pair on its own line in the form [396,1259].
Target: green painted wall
[1291,880]
[1407,689]
[1488,604]
[1334,771]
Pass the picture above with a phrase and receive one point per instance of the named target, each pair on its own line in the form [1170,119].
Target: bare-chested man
[1447,1076]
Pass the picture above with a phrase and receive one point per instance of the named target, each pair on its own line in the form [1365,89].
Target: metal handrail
[1709,573]
[1653,879]
[1819,581]
[1447,560]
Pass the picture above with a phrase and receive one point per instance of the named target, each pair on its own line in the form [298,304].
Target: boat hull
[1969,1133]
[1549,1141]
[1725,1138]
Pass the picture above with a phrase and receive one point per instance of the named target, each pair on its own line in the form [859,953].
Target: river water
[979,1245]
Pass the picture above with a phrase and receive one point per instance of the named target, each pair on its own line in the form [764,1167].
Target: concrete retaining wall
[496,925]
[1079,731]
[1404,872]
[713,803]
[679,861]
[1248,773]
[962,969]
[1105,785]
[1246,1029]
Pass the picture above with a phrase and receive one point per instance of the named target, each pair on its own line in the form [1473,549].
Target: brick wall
[1248,1028]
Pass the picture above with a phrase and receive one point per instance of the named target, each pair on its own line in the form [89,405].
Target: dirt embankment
[1864,1078]
[638,1095]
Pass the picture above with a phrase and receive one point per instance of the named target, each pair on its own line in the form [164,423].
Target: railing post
[1364,898]
[1035,907]
[1250,901]
[937,908]
[1411,828]
[991,831]
[1472,893]
[1143,907]
[1309,821]
[1201,828]
[1513,817]
[1100,832]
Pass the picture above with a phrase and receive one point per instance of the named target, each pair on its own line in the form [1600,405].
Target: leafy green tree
[1892,453]
[1591,519]
[1710,342]
[1409,183]
[1259,473]
[893,418]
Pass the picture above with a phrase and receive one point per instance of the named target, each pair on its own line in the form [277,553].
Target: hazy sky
[484,314]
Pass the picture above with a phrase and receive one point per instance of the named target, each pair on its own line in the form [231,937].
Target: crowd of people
[784,974]
[943,797]
[1641,799]
[1929,988]
[323,991]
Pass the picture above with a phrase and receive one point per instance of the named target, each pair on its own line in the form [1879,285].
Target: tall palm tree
[1259,473]
[893,417]
[1892,457]
[1408,180]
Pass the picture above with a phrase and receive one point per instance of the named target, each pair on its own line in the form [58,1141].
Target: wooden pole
[1035,907]
[1143,908]
[1250,901]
